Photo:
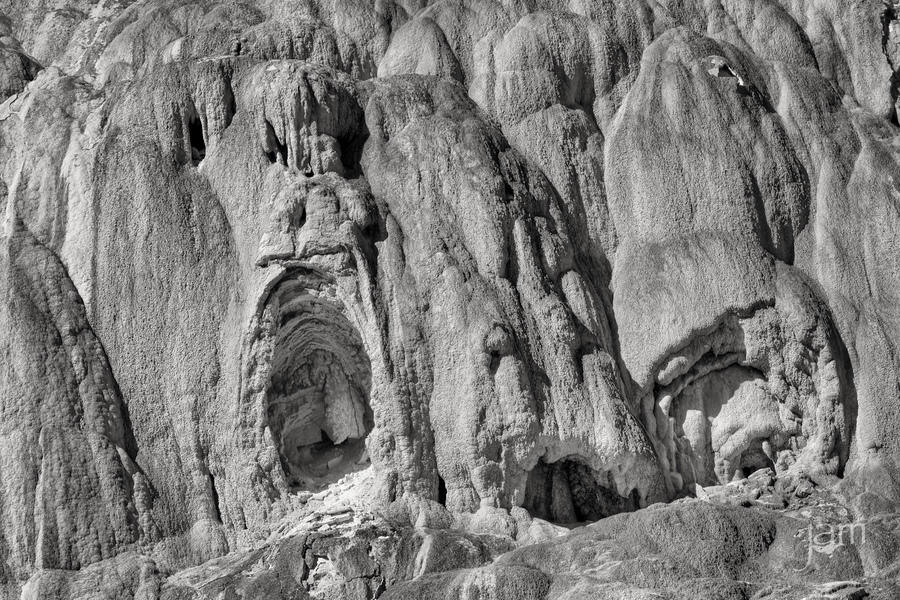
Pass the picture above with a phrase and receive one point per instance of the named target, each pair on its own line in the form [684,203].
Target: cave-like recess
[568,492]
[317,400]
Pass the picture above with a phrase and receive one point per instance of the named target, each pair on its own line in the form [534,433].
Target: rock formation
[380,298]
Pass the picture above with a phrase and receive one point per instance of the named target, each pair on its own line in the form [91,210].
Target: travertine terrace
[412,299]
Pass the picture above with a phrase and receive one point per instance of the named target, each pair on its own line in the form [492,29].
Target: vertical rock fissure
[196,139]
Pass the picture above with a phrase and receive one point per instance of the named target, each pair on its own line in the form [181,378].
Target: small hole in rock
[753,459]
[442,491]
[508,193]
[351,148]
[275,150]
[196,140]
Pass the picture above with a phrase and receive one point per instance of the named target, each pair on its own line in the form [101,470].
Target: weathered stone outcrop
[482,269]
[72,494]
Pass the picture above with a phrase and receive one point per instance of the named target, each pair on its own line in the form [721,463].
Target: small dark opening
[274,149]
[230,104]
[888,17]
[351,148]
[724,71]
[215,497]
[753,459]
[299,219]
[373,233]
[587,348]
[495,363]
[196,140]
[442,491]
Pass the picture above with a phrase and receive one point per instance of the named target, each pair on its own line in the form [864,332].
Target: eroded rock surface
[343,298]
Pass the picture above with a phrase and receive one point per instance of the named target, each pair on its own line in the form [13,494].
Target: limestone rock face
[72,492]
[351,298]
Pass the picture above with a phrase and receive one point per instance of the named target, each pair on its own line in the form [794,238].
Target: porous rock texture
[379,298]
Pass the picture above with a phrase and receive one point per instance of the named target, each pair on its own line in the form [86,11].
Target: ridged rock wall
[533,253]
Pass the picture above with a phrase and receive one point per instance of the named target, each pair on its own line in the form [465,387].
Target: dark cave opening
[351,147]
[442,491]
[568,492]
[754,458]
[196,139]
[317,400]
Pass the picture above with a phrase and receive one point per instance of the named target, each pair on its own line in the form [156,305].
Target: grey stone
[314,299]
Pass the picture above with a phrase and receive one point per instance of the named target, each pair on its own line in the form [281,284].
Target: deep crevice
[371,235]
[230,104]
[215,497]
[351,148]
[887,17]
[587,348]
[196,139]
[441,491]
[274,149]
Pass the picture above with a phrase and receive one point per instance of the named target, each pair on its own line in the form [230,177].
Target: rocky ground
[759,537]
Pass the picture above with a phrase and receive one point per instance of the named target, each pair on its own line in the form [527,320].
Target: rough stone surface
[358,298]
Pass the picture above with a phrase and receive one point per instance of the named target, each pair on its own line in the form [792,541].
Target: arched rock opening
[762,391]
[726,424]
[317,400]
[569,491]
